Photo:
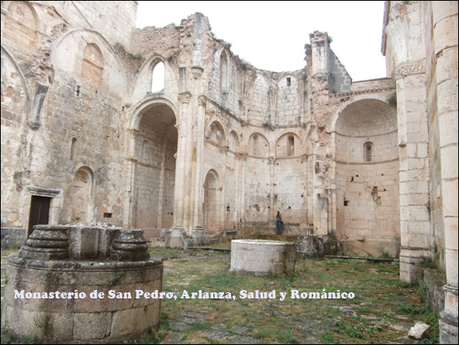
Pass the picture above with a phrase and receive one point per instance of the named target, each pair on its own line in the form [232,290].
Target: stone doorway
[39,212]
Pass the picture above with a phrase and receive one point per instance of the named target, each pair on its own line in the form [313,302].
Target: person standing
[278,223]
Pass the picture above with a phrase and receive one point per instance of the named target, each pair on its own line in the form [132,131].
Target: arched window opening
[368,152]
[93,64]
[223,72]
[290,146]
[255,144]
[21,26]
[157,83]
[73,149]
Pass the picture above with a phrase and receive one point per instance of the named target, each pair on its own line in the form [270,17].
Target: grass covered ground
[382,311]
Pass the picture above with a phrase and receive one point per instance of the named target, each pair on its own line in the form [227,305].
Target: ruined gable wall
[76,86]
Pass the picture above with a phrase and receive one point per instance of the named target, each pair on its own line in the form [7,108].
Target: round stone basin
[262,257]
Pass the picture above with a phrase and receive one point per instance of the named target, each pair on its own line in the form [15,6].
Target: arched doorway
[212,206]
[154,182]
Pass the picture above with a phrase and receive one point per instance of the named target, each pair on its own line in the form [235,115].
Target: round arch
[367,190]
[138,111]
[212,205]
[258,145]
[153,145]
[216,133]
[288,144]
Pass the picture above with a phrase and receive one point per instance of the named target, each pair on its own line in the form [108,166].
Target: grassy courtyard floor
[382,311]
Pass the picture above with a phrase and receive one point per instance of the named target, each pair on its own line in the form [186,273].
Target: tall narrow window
[73,149]
[368,152]
[290,146]
[255,145]
[223,72]
[157,83]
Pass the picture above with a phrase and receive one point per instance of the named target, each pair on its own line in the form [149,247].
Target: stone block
[95,325]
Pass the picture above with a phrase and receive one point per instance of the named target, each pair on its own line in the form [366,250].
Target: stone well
[262,257]
[81,259]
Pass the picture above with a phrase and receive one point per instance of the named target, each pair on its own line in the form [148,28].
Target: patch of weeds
[136,56]
[331,311]
[164,321]
[26,340]
[404,285]
[410,309]
[364,309]
[386,255]
[285,336]
[373,329]
[328,339]
[262,333]
[428,263]
[382,268]
[154,337]
[432,320]
[200,326]
[357,267]
[392,99]
[304,267]
[387,314]
[350,330]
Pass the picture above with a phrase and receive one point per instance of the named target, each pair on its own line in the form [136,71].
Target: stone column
[272,163]
[198,158]
[445,17]
[130,164]
[414,168]
[242,164]
[180,165]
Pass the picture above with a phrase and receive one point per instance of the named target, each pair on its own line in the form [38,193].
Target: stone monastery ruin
[369,166]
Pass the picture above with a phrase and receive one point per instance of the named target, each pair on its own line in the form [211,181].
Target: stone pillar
[272,163]
[188,172]
[320,51]
[414,168]
[445,17]
[130,164]
[180,165]
[198,158]
[242,164]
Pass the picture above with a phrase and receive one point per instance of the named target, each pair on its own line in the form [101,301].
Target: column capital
[202,100]
[409,68]
[184,97]
[196,71]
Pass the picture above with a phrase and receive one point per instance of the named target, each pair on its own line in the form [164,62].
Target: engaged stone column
[414,168]
[445,18]
[197,162]
[180,165]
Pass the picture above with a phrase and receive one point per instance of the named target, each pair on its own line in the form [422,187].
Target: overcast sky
[271,34]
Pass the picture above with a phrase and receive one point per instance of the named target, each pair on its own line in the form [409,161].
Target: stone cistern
[96,270]
[262,257]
